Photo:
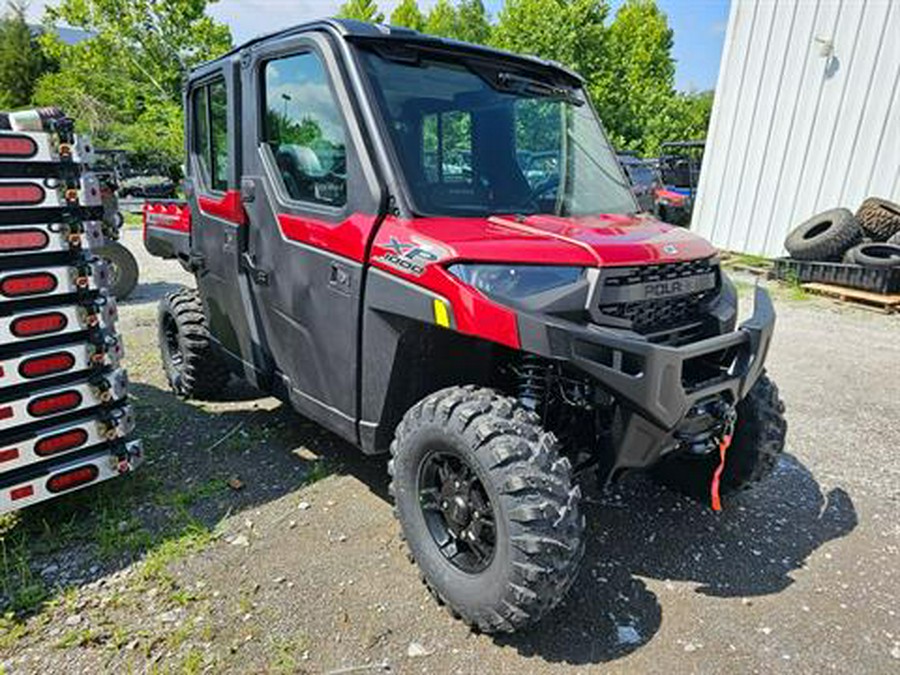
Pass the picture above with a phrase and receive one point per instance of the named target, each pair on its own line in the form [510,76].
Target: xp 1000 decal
[411,257]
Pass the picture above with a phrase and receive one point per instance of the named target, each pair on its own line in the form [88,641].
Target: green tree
[442,20]
[684,116]
[361,10]
[569,31]
[472,23]
[408,14]
[123,84]
[22,61]
[634,90]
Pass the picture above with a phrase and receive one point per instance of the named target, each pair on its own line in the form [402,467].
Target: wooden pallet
[888,303]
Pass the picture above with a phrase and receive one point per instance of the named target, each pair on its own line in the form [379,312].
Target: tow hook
[724,444]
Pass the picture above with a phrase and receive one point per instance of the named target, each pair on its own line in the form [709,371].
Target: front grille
[622,296]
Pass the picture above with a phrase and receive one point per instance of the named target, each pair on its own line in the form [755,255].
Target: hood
[591,241]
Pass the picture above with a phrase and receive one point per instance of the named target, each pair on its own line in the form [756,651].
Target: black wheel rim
[457,511]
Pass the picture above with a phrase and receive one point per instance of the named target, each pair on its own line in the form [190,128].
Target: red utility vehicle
[374,242]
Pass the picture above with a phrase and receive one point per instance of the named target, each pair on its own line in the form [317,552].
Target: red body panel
[347,238]
[594,241]
[167,215]
[229,207]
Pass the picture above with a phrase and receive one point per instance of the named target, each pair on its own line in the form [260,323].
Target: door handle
[257,274]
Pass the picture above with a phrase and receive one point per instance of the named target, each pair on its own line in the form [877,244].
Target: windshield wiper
[529,87]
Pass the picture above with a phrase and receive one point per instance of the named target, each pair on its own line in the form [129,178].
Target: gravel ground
[254,541]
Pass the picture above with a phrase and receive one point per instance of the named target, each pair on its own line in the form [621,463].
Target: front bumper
[652,380]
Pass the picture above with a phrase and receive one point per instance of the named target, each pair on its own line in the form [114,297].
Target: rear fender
[167,230]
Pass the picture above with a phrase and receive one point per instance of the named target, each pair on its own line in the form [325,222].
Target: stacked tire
[870,237]
[64,413]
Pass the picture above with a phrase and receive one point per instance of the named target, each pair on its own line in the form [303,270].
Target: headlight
[516,282]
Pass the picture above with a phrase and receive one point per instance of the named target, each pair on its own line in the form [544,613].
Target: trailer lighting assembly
[68,440]
[21,492]
[72,479]
[25,285]
[39,324]
[23,241]
[61,387]
[21,194]
[54,403]
[42,366]
[9,455]
[17,147]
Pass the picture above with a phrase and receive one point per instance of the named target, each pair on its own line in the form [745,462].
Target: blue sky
[699,27]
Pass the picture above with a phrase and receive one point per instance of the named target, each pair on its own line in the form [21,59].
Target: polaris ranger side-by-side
[373,243]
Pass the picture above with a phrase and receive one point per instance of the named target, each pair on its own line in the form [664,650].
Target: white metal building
[806,118]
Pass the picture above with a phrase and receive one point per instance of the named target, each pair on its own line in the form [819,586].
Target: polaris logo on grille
[667,289]
[670,249]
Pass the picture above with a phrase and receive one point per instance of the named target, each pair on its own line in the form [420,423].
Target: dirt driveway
[254,541]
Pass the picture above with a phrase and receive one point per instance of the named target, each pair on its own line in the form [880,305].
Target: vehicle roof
[350,29]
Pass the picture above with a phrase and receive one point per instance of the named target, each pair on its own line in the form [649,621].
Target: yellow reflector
[441,315]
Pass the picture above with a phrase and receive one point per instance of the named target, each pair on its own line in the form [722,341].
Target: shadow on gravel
[639,530]
[203,465]
[200,465]
[150,292]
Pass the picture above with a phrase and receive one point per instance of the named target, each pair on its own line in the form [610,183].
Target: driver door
[313,204]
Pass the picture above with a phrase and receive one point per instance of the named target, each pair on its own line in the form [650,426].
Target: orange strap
[717,476]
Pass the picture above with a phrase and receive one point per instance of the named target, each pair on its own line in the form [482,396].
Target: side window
[211,133]
[218,127]
[447,147]
[304,129]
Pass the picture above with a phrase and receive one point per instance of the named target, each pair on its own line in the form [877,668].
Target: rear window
[211,134]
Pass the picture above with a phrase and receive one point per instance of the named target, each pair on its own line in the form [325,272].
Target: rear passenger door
[314,205]
[218,219]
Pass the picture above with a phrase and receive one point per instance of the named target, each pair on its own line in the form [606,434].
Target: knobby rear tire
[193,365]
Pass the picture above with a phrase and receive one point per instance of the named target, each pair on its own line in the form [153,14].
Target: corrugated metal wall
[794,132]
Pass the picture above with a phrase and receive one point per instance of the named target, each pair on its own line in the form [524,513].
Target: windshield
[521,146]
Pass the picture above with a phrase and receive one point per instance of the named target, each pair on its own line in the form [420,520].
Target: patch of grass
[133,221]
[317,472]
[287,652]
[186,498]
[193,662]
[11,631]
[184,597]
[749,260]
[79,637]
[24,589]
[193,538]
[794,288]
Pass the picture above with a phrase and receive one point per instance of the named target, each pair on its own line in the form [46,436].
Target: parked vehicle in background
[679,166]
[645,180]
[435,253]
[122,265]
[147,184]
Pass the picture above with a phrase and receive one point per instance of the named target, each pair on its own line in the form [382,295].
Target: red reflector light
[17,146]
[22,285]
[54,403]
[6,413]
[73,478]
[9,455]
[21,492]
[21,194]
[61,442]
[39,324]
[51,364]
[23,240]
